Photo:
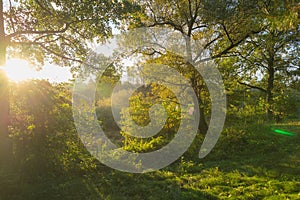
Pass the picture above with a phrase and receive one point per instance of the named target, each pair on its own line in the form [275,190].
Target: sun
[19,70]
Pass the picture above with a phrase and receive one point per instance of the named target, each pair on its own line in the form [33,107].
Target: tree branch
[227,34]
[48,50]
[225,51]
[230,47]
[198,27]
[59,55]
[205,47]
[252,86]
[43,7]
[10,16]
[175,26]
[39,32]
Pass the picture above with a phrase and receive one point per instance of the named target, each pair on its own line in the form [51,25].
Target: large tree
[57,31]
[271,58]
[219,26]
[275,55]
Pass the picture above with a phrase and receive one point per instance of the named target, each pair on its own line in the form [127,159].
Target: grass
[251,162]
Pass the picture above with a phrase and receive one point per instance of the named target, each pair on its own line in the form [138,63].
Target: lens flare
[282,132]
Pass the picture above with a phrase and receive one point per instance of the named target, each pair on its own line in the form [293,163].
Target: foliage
[249,162]
[268,60]
[139,107]
[58,31]
[256,47]
[45,139]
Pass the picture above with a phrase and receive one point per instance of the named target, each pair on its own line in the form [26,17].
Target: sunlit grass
[247,163]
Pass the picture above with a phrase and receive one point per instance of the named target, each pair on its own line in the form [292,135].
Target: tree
[275,57]
[217,32]
[272,54]
[52,31]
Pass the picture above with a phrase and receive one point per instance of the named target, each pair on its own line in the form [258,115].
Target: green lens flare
[284,132]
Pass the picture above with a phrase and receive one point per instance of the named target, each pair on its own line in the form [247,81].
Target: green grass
[252,162]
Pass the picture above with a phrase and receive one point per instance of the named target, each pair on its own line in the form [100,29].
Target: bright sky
[19,70]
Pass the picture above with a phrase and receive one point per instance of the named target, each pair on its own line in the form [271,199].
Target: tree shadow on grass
[108,184]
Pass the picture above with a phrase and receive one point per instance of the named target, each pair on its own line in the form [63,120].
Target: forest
[182,99]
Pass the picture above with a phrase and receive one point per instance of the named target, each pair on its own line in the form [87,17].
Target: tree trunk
[269,94]
[202,127]
[271,76]
[5,143]
[3,43]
